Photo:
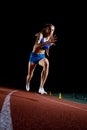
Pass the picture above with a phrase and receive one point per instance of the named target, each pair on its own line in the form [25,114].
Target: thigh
[31,67]
[44,62]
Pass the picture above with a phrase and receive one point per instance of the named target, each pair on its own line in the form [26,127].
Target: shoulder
[39,37]
[38,34]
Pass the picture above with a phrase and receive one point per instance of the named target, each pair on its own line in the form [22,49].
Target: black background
[20,22]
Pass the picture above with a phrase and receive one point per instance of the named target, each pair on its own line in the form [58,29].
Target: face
[50,30]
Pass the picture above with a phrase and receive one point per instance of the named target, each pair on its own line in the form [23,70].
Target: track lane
[31,110]
[45,112]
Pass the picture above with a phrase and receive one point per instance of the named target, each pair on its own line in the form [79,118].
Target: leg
[45,64]
[31,67]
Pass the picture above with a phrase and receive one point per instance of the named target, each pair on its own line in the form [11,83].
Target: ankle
[28,84]
[41,87]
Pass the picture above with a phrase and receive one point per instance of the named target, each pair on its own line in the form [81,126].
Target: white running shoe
[42,91]
[27,87]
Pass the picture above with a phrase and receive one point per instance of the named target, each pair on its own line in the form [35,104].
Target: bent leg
[45,64]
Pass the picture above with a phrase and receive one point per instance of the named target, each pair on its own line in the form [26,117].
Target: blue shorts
[35,58]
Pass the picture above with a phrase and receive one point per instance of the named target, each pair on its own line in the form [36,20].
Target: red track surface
[32,111]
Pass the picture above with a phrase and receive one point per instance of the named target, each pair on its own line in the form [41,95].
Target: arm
[51,44]
[50,41]
[39,37]
[47,52]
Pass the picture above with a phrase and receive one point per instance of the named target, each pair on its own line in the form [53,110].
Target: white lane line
[5,115]
[63,103]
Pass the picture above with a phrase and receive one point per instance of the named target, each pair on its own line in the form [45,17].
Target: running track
[21,110]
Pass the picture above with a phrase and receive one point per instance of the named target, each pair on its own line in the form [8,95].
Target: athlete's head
[48,30]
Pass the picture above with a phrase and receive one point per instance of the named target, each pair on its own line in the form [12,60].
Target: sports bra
[46,46]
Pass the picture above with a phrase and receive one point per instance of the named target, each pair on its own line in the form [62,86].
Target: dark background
[68,67]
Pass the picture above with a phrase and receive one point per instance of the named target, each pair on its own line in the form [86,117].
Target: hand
[52,39]
[52,44]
